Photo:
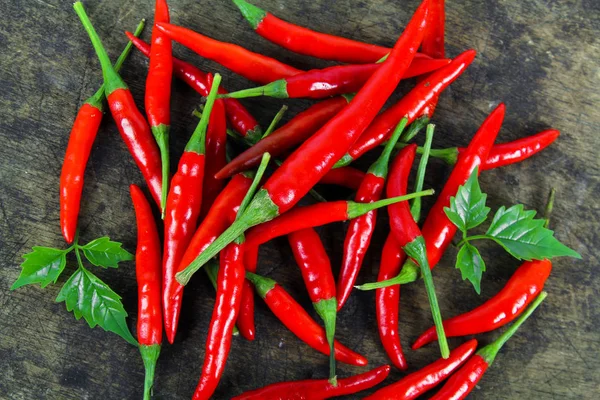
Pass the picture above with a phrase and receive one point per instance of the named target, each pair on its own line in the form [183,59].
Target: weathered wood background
[541,57]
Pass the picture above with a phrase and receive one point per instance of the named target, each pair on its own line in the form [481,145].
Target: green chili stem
[409,273]
[415,208]
[149,357]
[276,119]
[254,185]
[358,209]
[380,167]
[197,142]
[414,129]
[327,310]
[549,207]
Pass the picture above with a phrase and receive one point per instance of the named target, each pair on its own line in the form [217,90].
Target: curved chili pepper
[360,230]
[416,103]
[147,270]
[290,182]
[182,211]
[82,136]
[331,81]
[246,317]
[216,140]
[464,380]
[252,66]
[433,42]
[293,316]
[315,267]
[314,389]
[239,117]
[347,177]
[425,379]
[131,123]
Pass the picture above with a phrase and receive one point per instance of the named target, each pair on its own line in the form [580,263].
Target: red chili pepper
[425,379]
[253,66]
[300,128]
[331,81]
[314,389]
[315,266]
[182,211]
[245,320]
[433,42]
[147,270]
[464,380]
[290,182]
[416,103]
[239,117]
[131,123]
[347,177]
[360,230]
[293,316]
[81,139]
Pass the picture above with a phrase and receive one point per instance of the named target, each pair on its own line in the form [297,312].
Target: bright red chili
[425,379]
[182,211]
[347,177]
[293,316]
[314,389]
[433,42]
[331,81]
[245,320]
[253,66]
[416,103]
[147,270]
[360,230]
[464,380]
[130,122]
[239,117]
[290,182]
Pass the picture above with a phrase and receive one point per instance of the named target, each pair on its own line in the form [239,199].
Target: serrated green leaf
[87,296]
[102,252]
[524,237]
[43,265]
[467,210]
[471,265]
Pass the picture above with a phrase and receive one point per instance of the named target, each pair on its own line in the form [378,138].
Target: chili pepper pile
[218,209]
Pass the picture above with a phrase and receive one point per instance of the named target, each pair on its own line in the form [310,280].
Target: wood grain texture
[541,57]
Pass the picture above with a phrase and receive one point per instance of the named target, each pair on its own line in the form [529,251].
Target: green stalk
[409,273]
[212,271]
[276,89]
[415,208]
[149,357]
[253,14]
[254,185]
[549,207]
[380,167]
[262,284]
[197,142]
[357,209]
[415,128]
[161,136]
[448,155]
[276,119]
[327,310]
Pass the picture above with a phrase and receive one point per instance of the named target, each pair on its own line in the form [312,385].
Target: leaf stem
[475,237]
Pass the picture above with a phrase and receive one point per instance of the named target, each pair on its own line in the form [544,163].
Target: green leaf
[102,252]
[88,297]
[43,265]
[467,210]
[471,265]
[524,237]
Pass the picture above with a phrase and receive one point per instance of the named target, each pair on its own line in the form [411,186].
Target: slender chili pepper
[315,266]
[238,116]
[433,42]
[360,230]
[290,182]
[131,123]
[425,379]
[318,389]
[464,380]
[81,139]
[158,93]
[252,66]
[416,103]
[347,177]
[331,81]
[246,317]
[147,270]
[293,316]
[212,271]
[183,208]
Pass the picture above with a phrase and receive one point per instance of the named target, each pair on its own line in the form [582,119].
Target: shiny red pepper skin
[218,343]
[314,389]
[239,117]
[253,66]
[296,131]
[520,290]
[433,42]
[425,379]
[464,380]
[347,177]
[245,322]
[216,140]
[78,151]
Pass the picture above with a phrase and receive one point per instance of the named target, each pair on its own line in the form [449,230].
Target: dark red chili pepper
[331,81]
[239,117]
[130,122]
[433,42]
[360,230]
[290,182]
[425,379]
[293,316]
[464,380]
[416,103]
[300,128]
[81,139]
[314,389]
[253,66]
[182,211]
[147,270]
[315,266]
[347,177]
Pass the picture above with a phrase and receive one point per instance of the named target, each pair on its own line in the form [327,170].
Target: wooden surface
[540,57]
